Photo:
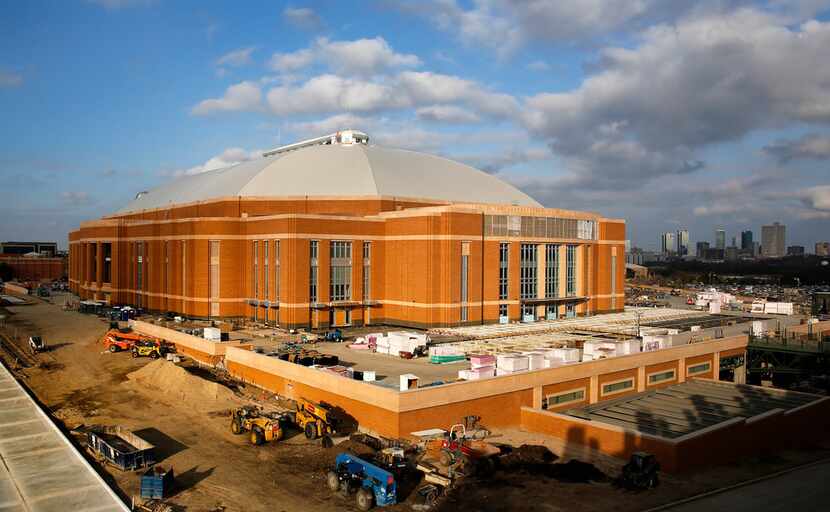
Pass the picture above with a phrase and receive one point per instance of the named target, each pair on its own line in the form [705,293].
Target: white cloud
[290,62]
[333,94]
[244,96]
[505,25]
[236,58]
[705,80]
[229,157]
[303,18]
[10,78]
[446,114]
[307,129]
[361,58]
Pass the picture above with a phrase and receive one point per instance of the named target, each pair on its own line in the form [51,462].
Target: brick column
[593,391]
[641,378]
[681,370]
[716,366]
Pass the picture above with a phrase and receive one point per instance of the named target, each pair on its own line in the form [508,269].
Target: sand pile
[177,383]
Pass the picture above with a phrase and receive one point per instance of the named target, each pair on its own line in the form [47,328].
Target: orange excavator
[116,340]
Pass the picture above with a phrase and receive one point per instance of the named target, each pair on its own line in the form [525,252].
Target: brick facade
[415,263]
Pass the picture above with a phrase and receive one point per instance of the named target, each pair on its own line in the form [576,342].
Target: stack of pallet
[482,366]
[507,364]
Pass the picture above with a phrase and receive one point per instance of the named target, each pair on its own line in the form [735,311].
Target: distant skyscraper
[702,249]
[795,250]
[667,243]
[773,240]
[746,240]
[720,239]
[822,248]
[682,242]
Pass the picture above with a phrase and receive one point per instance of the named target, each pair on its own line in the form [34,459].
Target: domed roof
[339,170]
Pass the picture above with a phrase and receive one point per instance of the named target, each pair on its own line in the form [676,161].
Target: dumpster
[156,483]
[119,447]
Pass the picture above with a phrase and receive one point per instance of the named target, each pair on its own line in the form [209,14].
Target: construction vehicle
[313,419]
[115,339]
[335,335]
[150,348]
[372,485]
[262,427]
[36,344]
[640,472]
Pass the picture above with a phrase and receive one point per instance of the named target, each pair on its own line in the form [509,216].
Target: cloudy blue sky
[669,113]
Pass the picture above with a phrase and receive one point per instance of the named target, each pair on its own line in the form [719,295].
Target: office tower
[746,240]
[720,239]
[667,243]
[682,242]
[773,240]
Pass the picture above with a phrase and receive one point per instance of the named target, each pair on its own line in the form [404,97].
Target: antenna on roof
[343,137]
[141,194]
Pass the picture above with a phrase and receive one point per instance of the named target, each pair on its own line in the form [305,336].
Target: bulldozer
[262,427]
[150,348]
[313,419]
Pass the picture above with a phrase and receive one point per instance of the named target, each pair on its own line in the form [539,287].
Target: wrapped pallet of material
[482,361]
[464,374]
[535,360]
[551,362]
[369,376]
[652,343]
[446,354]
[482,373]
[513,362]
[567,355]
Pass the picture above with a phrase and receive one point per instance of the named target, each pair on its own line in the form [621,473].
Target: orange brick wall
[415,264]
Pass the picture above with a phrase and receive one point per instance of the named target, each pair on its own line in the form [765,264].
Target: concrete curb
[738,485]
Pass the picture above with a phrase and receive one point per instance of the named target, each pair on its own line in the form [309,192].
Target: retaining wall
[202,350]
[725,442]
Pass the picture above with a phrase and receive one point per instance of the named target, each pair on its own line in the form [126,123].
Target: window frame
[603,392]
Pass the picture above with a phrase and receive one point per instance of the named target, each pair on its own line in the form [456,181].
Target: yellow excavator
[314,419]
[262,427]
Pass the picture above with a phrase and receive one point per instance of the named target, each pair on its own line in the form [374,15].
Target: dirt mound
[527,455]
[177,383]
[577,471]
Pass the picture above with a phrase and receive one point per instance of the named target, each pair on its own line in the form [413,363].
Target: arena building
[335,231]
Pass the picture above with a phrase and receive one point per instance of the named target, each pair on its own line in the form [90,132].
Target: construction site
[566,416]
[241,339]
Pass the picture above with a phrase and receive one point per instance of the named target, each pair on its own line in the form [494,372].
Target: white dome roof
[339,170]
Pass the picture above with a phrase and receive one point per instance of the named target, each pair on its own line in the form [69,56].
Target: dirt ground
[82,384]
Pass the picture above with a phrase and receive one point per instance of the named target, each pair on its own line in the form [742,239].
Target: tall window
[213,277]
[139,270]
[107,248]
[93,249]
[255,273]
[184,276]
[276,271]
[367,270]
[504,258]
[551,270]
[465,264]
[341,271]
[613,281]
[528,271]
[265,267]
[570,262]
[166,269]
[312,286]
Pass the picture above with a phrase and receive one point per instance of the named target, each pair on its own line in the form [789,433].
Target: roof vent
[343,138]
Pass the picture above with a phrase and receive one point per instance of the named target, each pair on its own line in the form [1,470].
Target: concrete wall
[200,349]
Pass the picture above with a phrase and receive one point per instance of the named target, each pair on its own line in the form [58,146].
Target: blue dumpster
[156,483]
